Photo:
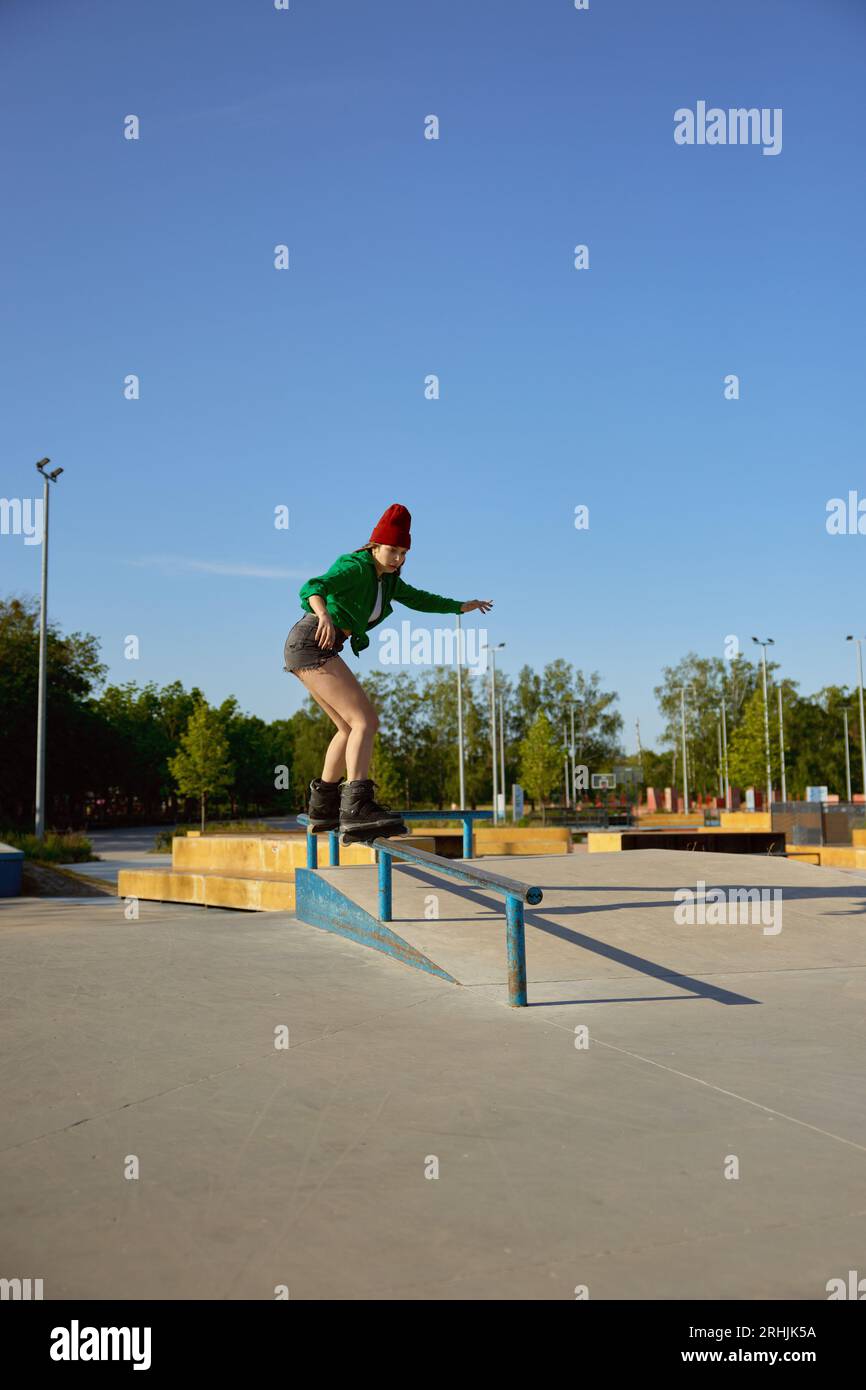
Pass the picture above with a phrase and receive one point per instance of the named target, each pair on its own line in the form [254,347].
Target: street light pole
[493,734]
[847,757]
[43,655]
[502,754]
[768,642]
[858,640]
[725,755]
[685,754]
[493,651]
[460,749]
[573,779]
[782,743]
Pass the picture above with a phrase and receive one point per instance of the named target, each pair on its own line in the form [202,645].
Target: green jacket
[349,589]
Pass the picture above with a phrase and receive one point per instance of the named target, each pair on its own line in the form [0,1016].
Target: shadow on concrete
[697,988]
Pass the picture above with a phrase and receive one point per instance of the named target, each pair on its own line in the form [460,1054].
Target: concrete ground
[153,1041]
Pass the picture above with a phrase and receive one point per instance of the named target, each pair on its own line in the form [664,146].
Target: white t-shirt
[377,606]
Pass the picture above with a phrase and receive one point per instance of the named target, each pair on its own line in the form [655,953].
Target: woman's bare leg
[335,757]
[336,686]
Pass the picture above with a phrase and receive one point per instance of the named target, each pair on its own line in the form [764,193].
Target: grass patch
[162,844]
[55,847]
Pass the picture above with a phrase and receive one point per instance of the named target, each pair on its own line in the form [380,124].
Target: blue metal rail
[467,817]
[515,894]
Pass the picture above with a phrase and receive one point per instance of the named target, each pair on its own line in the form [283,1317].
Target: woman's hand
[325,630]
[482,604]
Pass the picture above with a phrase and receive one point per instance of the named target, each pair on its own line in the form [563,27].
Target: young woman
[355,594]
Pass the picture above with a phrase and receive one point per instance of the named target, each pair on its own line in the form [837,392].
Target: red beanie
[392,528]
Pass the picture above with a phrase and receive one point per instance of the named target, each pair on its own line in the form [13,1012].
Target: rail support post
[516,951]
[384,860]
[312,851]
[467,837]
[334,847]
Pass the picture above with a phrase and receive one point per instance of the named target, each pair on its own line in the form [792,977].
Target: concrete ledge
[745,820]
[263,854]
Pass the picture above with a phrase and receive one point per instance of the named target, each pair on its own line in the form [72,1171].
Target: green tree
[202,767]
[540,760]
[73,733]
[747,751]
[706,680]
[597,724]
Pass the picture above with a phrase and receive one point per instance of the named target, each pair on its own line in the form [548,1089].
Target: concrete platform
[247,872]
[603,915]
[557,1166]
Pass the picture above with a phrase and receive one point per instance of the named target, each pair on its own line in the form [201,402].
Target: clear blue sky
[454,257]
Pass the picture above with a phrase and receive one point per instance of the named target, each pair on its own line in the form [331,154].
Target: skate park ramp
[606,928]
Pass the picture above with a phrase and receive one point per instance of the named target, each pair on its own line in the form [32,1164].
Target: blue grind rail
[467,817]
[515,894]
[320,902]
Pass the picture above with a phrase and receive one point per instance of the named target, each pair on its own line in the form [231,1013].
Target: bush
[56,848]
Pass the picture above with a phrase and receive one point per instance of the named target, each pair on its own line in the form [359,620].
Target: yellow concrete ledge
[225,871]
[603,841]
[829,856]
[843,857]
[262,854]
[250,892]
[745,820]
[804,854]
[858,839]
[673,820]
[161,885]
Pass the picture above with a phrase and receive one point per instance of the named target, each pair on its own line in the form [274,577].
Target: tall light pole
[565,763]
[847,757]
[502,751]
[768,642]
[493,651]
[782,743]
[43,654]
[685,754]
[858,640]
[573,779]
[725,755]
[460,749]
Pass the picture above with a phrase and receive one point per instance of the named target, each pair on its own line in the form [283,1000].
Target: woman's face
[390,557]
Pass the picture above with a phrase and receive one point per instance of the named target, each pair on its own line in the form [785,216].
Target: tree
[72,734]
[706,680]
[540,760]
[597,725]
[202,767]
[747,749]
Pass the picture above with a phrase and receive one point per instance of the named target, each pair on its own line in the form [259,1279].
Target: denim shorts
[302,652]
